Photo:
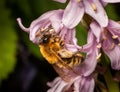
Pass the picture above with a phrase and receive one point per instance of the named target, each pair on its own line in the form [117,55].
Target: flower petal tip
[21,25]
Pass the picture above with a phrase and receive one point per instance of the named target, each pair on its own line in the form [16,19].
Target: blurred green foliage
[10,32]
[8,39]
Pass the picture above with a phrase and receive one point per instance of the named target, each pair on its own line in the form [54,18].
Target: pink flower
[51,18]
[109,40]
[111,43]
[75,10]
[83,75]
[79,84]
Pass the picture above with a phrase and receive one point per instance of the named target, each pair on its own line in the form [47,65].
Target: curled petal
[98,13]
[21,25]
[72,14]
[78,84]
[113,54]
[50,18]
[58,85]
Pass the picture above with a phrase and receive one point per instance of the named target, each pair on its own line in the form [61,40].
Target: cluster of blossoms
[103,34]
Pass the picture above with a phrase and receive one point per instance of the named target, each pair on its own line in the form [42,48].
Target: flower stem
[112,85]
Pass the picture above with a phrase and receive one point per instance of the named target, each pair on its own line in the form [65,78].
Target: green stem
[112,85]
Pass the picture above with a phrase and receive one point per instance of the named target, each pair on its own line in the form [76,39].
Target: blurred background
[22,68]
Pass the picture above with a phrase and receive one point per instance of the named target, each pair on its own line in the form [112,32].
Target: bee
[53,50]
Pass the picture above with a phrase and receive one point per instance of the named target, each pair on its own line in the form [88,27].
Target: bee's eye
[46,39]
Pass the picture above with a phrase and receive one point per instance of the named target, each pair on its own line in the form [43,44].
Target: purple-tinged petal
[84,84]
[71,41]
[73,14]
[55,20]
[97,30]
[111,1]
[113,53]
[21,25]
[43,21]
[61,1]
[98,13]
[89,64]
[57,86]
[114,27]
[89,44]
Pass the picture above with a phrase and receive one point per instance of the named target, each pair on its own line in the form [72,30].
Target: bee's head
[44,35]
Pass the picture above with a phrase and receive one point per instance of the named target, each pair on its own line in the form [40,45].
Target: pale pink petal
[98,14]
[97,30]
[21,25]
[56,21]
[111,1]
[73,14]
[113,53]
[114,26]
[89,64]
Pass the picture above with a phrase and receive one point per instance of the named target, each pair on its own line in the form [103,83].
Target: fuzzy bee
[53,50]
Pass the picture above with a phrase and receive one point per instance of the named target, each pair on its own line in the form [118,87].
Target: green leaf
[8,44]
[81,35]
[110,9]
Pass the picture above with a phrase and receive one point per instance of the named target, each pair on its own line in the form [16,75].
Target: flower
[54,19]
[111,43]
[82,80]
[76,8]
[109,40]
[83,72]
[51,18]
[79,84]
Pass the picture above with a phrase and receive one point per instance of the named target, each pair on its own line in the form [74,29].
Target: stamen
[118,44]
[78,1]
[99,55]
[99,45]
[42,29]
[51,30]
[112,46]
[37,33]
[105,33]
[115,36]
[94,6]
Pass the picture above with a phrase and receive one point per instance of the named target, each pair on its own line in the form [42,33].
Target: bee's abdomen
[75,60]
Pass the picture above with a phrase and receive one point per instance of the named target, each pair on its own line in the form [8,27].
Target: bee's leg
[63,53]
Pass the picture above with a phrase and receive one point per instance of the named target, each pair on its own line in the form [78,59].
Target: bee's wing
[63,53]
[61,62]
